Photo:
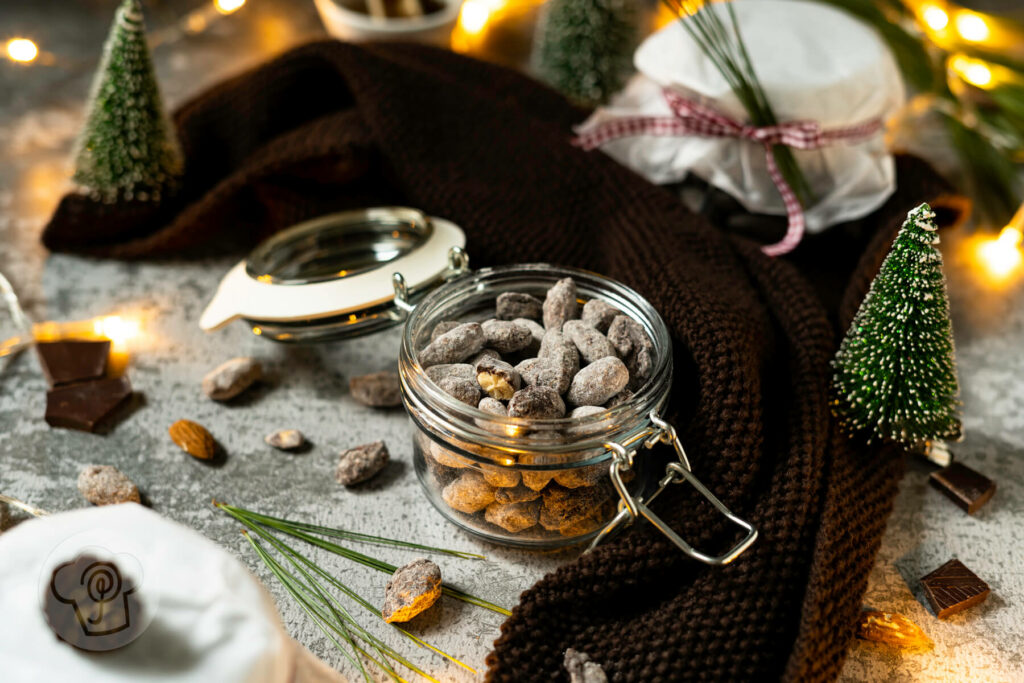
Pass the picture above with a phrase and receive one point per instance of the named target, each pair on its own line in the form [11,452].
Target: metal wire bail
[631,507]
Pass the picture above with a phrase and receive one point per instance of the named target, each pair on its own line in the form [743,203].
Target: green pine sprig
[723,44]
[310,586]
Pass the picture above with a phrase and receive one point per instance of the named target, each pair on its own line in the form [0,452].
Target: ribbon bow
[692,118]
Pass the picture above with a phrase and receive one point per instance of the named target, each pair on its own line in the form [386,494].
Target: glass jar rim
[647,397]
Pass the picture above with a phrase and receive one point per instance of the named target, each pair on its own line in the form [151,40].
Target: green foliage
[895,377]
[127,149]
[984,129]
[584,48]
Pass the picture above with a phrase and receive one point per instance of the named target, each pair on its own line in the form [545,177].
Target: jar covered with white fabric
[827,75]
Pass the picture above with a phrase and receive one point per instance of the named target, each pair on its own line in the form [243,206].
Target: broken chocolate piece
[953,588]
[965,487]
[64,362]
[84,405]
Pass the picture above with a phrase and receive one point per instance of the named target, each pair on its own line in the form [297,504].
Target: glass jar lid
[340,275]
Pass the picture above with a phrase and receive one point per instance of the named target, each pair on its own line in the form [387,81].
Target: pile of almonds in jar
[535,360]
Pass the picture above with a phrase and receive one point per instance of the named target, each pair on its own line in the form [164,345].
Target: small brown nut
[493,406]
[598,382]
[446,457]
[892,629]
[483,355]
[361,463]
[467,391]
[285,439]
[569,507]
[544,372]
[591,427]
[536,330]
[519,494]
[497,378]
[619,398]
[599,314]
[106,485]
[193,438]
[536,480]
[453,346]
[501,477]
[411,590]
[556,347]
[592,345]
[513,517]
[378,390]
[458,370]
[505,336]
[634,346]
[231,378]
[578,477]
[582,669]
[560,304]
[443,327]
[512,305]
[469,493]
[536,402]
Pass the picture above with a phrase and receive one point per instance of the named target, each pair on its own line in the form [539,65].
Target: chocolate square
[953,588]
[965,487]
[83,406]
[70,361]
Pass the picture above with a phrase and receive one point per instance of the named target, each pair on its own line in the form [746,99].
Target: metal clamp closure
[632,507]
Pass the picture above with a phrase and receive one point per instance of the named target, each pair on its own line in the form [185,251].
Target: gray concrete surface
[40,112]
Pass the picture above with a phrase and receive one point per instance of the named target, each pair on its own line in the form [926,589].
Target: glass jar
[540,483]
[518,481]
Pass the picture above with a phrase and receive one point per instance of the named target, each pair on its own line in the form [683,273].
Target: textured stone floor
[40,111]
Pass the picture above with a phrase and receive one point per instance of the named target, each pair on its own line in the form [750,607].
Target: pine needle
[349,535]
[354,555]
[725,47]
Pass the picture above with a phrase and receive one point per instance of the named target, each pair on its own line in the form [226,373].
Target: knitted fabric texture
[331,126]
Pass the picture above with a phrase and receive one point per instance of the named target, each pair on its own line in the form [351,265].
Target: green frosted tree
[584,48]
[127,149]
[895,377]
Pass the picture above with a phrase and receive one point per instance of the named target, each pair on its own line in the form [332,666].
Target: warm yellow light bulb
[973,71]
[22,50]
[117,329]
[936,18]
[228,6]
[971,27]
[474,16]
[1001,256]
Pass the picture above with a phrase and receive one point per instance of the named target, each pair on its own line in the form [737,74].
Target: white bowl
[435,28]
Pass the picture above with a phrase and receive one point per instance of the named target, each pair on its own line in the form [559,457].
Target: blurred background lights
[228,6]
[935,17]
[971,27]
[22,50]
[474,16]
[1001,256]
[117,329]
[973,71]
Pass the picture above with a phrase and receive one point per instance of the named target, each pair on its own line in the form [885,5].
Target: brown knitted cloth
[331,126]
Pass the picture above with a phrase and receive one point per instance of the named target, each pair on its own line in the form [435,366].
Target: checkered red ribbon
[692,118]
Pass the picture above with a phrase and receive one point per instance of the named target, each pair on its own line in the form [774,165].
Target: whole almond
[193,438]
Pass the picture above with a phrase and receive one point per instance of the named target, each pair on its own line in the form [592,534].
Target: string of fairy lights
[966,35]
